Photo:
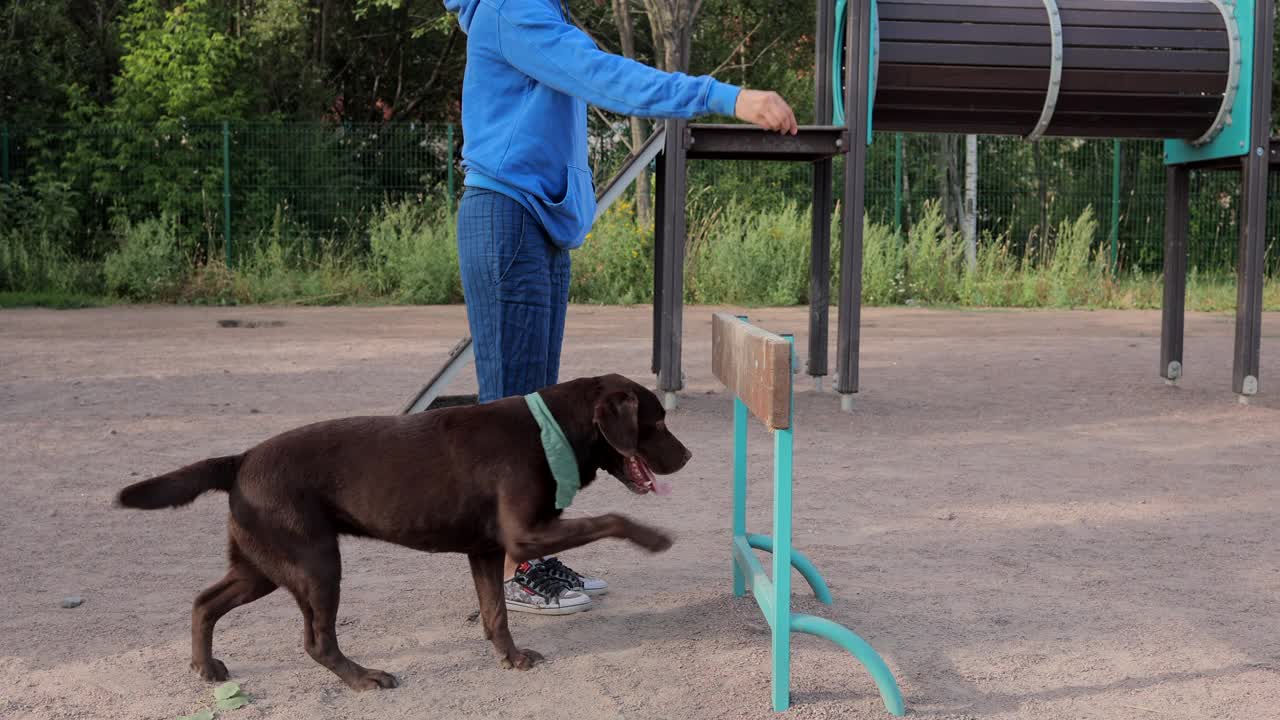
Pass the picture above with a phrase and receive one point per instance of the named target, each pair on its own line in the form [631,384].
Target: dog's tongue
[661,488]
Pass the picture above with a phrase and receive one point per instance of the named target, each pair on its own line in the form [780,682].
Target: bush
[150,263]
[415,255]
[1076,273]
[933,256]
[749,257]
[883,266]
[38,226]
[615,263]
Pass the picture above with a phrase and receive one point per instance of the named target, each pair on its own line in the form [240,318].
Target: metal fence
[235,182]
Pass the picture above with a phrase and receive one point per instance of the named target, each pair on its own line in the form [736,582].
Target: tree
[949,181]
[179,64]
[672,23]
[46,46]
[627,39]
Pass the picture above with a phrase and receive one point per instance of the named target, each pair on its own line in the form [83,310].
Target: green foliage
[752,257]
[284,264]
[415,255]
[36,227]
[151,262]
[47,46]
[933,258]
[55,299]
[178,64]
[883,266]
[615,263]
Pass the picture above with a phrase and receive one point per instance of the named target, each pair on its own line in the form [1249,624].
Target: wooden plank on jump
[755,365]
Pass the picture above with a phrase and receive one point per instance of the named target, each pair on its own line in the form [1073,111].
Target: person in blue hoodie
[529,200]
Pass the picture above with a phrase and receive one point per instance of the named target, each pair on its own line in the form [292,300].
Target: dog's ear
[617,415]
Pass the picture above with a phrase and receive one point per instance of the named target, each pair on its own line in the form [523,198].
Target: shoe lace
[542,581]
[561,572]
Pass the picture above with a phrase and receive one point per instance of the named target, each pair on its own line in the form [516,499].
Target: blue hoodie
[530,74]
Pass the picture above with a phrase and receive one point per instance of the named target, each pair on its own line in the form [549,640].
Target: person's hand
[766,109]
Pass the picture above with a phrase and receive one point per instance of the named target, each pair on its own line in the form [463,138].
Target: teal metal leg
[739,486]
[798,561]
[782,446]
[856,646]
[783,452]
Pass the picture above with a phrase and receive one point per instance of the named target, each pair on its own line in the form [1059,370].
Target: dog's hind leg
[486,570]
[242,584]
[314,581]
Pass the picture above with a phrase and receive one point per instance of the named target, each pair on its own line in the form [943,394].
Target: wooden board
[755,365]
[1131,68]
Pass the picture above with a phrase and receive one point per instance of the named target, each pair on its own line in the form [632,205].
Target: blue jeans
[516,285]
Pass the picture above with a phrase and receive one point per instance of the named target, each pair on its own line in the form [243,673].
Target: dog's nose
[687,455]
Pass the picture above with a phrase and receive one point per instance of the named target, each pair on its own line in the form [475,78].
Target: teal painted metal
[837,55]
[1115,206]
[773,596]
[757,579]
[4,154]
[226,190]
[802,564]
[783,448]
[453,197]
[1233,140]
[897,182]
[739,485]
[857,647]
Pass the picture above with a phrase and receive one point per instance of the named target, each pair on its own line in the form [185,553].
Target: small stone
[254,411]
[133,474]
[72,601]
[947,516]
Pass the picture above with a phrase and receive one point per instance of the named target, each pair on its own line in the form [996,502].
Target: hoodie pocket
[570,217]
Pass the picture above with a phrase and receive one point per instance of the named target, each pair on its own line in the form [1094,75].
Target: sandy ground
[1019,515]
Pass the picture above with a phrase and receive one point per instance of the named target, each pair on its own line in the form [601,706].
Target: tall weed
[151,262]
[414,255]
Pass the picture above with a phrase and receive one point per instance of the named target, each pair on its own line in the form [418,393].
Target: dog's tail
[182,485]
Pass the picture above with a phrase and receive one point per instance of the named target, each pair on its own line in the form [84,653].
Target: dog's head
[632,440]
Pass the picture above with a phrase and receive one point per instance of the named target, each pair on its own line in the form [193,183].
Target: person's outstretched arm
[536,40]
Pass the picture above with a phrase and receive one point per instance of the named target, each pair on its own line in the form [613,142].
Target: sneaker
[575,580]
[534,590]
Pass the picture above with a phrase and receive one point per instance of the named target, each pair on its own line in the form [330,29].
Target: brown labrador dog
[468,480]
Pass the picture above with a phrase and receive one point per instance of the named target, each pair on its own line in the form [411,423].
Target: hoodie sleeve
[537,40]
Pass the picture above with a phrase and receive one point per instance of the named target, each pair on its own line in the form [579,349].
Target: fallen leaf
[233,703]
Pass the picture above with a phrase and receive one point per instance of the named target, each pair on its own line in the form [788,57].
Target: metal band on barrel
[1055,71]
[1233,73]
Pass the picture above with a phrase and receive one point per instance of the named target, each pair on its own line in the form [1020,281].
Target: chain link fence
[234,183]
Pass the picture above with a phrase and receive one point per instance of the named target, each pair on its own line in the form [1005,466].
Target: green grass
[737,255]
[56,299]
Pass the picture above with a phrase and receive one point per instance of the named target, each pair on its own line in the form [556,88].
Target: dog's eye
[660,425]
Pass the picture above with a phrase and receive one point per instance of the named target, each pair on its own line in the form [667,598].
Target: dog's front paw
[373,680]
[521,659]
[655,541]
[212,669]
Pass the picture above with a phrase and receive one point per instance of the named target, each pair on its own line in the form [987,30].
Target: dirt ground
[1019,516]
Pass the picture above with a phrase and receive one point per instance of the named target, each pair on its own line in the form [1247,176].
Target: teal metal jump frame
[774,595]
